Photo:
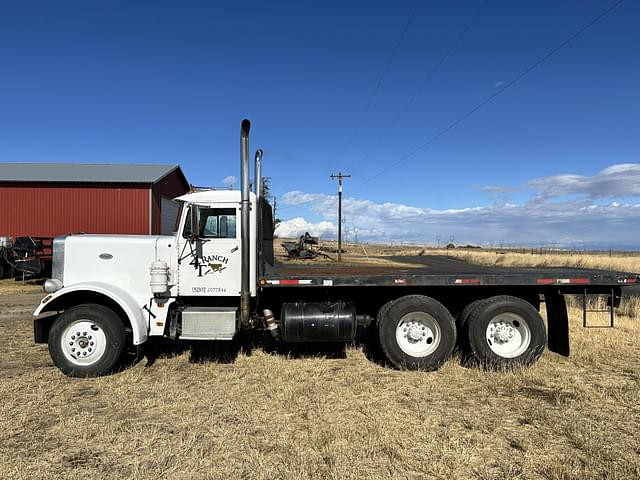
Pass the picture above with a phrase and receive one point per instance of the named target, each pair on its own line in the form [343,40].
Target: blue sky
[324,84]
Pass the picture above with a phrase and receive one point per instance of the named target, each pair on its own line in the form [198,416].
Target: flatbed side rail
[576,284]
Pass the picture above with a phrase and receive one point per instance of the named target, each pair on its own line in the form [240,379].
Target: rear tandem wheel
[416,333]
[504,331]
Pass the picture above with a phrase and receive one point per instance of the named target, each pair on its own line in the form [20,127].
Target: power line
[494,95]
[415,94]
[426,79]
[382,76]
[391,58]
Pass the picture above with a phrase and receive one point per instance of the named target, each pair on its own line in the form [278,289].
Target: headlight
[52,285]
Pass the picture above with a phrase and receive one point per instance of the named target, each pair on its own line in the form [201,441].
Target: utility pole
[275,199]
[339,176]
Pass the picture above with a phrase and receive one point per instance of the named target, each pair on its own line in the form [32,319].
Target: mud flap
[41,327]
[557,323]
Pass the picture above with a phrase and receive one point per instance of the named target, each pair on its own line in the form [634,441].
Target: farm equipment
[304,247]
[32,256]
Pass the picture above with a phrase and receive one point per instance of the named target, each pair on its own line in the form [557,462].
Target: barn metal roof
[85,172]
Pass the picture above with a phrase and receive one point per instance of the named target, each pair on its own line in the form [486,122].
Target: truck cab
[208,261]
[110,291]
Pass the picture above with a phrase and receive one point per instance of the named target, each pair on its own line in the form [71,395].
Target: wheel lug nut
[90,343]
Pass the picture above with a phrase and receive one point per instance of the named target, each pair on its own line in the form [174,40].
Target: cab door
[209,259]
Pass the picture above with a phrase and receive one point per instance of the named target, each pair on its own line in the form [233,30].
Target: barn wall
[56,209]
[171,186]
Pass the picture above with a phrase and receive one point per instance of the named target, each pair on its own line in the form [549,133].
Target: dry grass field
[358,254]
[257,412]
[627,262]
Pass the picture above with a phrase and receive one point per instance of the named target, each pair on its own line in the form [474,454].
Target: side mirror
[193,222]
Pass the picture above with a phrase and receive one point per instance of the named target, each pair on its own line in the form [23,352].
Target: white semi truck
[216,278]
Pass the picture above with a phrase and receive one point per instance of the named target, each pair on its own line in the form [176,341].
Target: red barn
[47,199]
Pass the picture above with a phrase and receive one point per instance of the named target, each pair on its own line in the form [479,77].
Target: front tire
[416,333]
[504,332]
[87,341]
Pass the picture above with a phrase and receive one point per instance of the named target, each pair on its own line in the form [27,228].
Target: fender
[129,305]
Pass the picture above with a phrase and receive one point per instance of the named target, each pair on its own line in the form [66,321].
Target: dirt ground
[13,287]
[268,414]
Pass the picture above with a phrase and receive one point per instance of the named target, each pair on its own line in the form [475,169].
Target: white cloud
[229,181]
[546,219]
[494,188]
[299,226]
[621,180]
[296,197]
[621,168]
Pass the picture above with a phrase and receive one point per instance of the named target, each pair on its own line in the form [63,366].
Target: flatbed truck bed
[459,286]
[439,271]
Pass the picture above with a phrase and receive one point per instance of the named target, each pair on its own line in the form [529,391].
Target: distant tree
[266,188]
[266,194]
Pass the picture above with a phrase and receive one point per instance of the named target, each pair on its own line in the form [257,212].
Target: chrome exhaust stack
[245,293]
[258,173]
[258,191]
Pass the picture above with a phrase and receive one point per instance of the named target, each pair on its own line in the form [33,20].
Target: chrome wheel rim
[83,343]
[508,335]
[418,334]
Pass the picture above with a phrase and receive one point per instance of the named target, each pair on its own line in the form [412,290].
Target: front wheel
[87,341]
[416,333]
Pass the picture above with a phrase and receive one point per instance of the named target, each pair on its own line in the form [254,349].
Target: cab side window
[214,223]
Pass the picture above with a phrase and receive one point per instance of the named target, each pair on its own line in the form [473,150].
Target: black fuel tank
[318,322]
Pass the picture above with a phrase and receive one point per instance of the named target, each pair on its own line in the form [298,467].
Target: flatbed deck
[443,271]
